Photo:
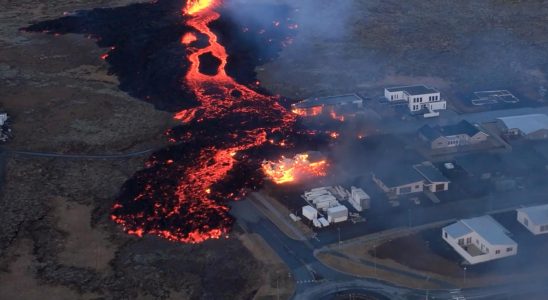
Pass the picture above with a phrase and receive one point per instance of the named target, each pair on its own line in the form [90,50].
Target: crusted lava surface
[201,67]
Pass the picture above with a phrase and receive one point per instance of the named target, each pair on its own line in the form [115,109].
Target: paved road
[317,281]
[79,156]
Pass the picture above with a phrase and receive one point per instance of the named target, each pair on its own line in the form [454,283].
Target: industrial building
[323,200]
[419,98]
[532,126]
[359,199]
[412,179]
[460,134]
[534,218]
[317,106]
[479,239]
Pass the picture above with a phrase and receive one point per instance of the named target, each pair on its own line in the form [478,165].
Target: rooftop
[526,123]
[413,89]
[329,101]
[397,175]
[537,214]
[430,173]
[490,230]
[434,132]
[457,230]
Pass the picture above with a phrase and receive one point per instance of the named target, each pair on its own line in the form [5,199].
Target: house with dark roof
[418,98]
[399,180]
[479,239]
[460,134]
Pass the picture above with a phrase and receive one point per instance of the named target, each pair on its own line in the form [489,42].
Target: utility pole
[409,217]
[464,275]
[375,259]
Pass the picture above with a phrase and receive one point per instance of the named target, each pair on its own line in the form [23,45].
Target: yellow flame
[196,6]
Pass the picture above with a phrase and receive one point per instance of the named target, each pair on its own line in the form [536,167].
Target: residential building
[418,98]
[532,126]
[460,134]
[479,239]
[317,106]
[409,180]
[534,218]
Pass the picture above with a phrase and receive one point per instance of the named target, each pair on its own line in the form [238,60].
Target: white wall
[477,240]
[533,228]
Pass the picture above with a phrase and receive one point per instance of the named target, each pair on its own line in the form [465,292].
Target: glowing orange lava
[197,186]
[196,6]
[291,170]
[188,38]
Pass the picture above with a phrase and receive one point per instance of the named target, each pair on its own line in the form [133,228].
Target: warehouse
[533,126]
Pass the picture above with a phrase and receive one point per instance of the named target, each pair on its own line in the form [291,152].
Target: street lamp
[464,275]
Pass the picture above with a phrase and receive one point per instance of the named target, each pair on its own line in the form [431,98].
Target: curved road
[317,281]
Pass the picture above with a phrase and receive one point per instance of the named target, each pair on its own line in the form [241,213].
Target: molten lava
[196,6]
[292,170]
[186,201]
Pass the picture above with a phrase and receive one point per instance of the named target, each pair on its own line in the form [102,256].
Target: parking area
[493,97]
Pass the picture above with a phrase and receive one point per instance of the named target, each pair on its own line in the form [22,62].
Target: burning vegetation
[300,167]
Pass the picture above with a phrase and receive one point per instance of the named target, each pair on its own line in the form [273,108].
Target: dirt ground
[57,240]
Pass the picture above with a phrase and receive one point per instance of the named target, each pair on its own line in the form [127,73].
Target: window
[461,242]
[544,228]
[509,249]
[526,221]
[468,240]
[487,250]
[497,252]
[477,242]
[445,233]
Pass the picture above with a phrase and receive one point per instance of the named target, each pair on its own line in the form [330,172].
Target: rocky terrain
[457,46]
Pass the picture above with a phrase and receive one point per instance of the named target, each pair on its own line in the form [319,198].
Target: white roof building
[533,126]
[479,239]
[534,218]
[418,97]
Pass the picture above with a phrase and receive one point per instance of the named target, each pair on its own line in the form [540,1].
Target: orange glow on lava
[188,38]
[196,6]
[196,189]
[292,170]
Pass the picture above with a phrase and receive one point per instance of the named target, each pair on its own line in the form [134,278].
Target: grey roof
[430,173]
[329,101]
[434,132]
[413,89]
[490,230]
[526,123]
[537,214]
[457,230]
[397,176]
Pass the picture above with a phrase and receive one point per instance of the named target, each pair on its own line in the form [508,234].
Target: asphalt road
[317,281]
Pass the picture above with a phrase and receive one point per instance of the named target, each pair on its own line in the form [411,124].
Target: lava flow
[184,198]
[290,170]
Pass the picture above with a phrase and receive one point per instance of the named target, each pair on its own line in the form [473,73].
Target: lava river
[230,119]
[197,62]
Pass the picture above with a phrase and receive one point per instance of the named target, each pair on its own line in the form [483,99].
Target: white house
[418,97]
[534,218]
[479,239]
